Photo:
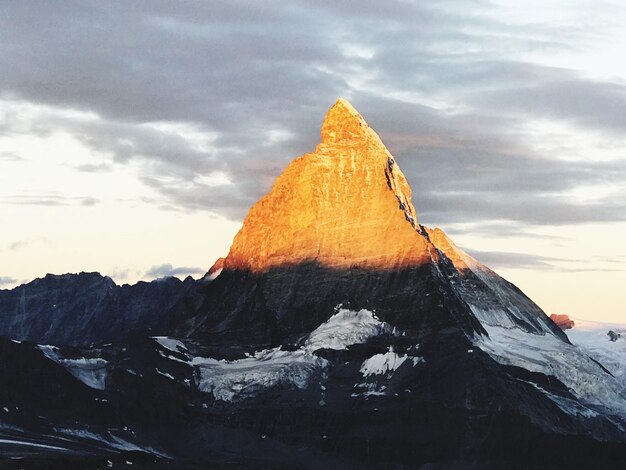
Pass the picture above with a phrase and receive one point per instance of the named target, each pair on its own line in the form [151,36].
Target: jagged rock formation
[562,321]
[345,205]
[88,308]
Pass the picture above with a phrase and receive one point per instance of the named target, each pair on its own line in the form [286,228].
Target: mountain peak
[344,125]
[347,204]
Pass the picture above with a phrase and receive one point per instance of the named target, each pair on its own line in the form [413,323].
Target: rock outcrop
[562,321]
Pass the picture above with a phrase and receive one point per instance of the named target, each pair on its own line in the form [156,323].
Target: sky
[134,136]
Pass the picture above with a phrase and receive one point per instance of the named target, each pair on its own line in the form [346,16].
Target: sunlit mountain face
[345,205]
[339,332]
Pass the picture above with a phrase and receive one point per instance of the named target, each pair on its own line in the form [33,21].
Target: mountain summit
[346,204]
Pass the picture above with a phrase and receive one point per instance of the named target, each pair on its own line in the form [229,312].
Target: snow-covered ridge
[521,334]
[493,300]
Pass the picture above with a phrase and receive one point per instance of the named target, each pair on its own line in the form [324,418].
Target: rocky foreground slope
[339,333]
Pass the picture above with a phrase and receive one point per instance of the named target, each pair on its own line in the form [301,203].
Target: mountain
[88,308]
[339,228]
[338,332]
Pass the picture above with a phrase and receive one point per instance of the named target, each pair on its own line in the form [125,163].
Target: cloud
[21,244]
[94,168]
[10,157]
[562,95]
[17,245]
[192,91]
[535,262]
[502,259]
[167,270]
[7,281]
[501,229]
[50,200]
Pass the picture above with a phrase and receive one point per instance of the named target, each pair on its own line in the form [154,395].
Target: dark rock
[613,336]
[88,308]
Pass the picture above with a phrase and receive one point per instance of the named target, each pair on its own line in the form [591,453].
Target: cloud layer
[213,99]
[167,270]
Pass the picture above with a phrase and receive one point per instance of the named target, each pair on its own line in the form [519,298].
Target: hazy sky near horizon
[134,136]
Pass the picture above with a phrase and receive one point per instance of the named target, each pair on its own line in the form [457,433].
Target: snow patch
[172,344]
[165,374]
[173,358]
[369,390]
[109,439]
[380,364]
[90,371]
[231,380]
[345,328]
[31,444]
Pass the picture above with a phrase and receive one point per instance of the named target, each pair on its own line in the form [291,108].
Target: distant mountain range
[90,309]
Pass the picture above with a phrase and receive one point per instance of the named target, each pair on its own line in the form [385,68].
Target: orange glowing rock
[563,321]
[345,205]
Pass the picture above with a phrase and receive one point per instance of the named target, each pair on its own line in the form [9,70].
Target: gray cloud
[167,270]
[20,244]
[7,281]
[49,200]
[94,168]
[502,259]
[10,157]
[441,84]
[17,245]
[506,259]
